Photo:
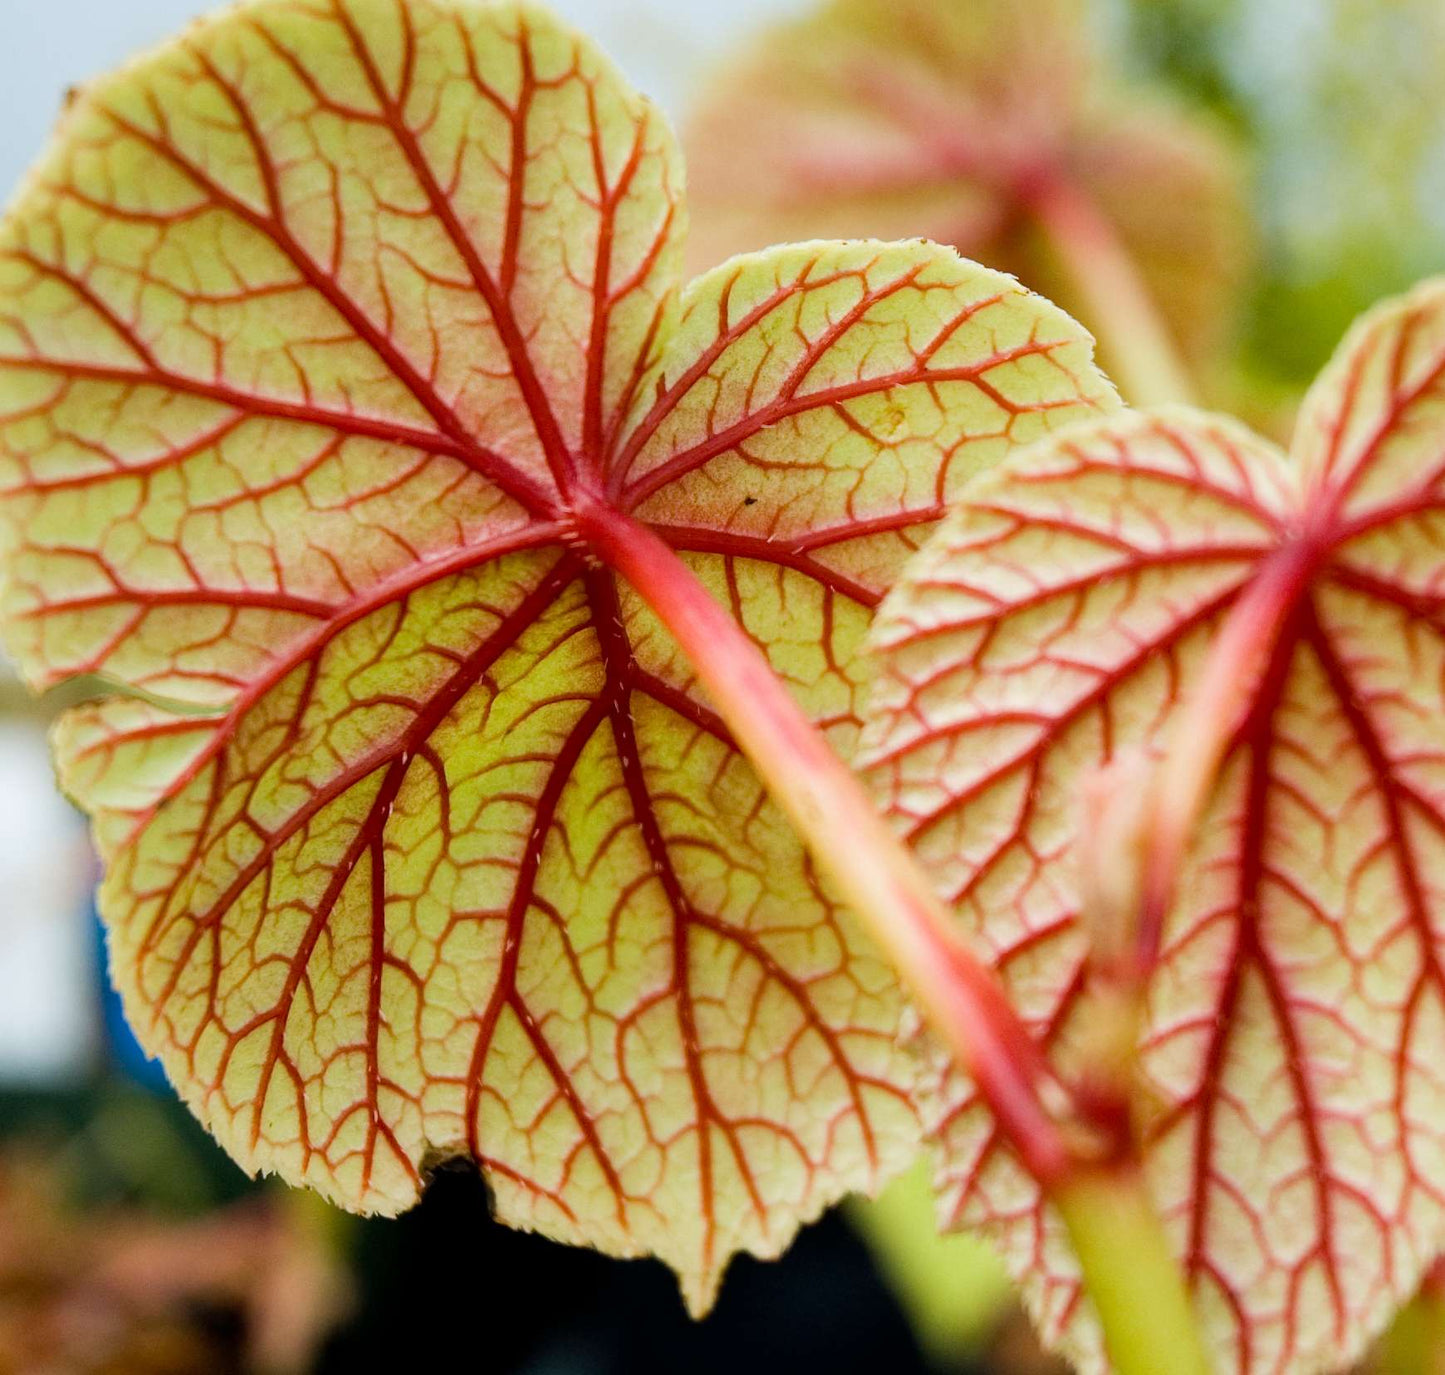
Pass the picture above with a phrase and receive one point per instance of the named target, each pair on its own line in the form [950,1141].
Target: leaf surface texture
[317,327]
[1291,1071]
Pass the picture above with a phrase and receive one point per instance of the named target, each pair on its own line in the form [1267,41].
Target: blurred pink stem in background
[1119,308]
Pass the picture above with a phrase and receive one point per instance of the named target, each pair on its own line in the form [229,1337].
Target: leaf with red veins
[320,329]
[1291,1084]
[947,119]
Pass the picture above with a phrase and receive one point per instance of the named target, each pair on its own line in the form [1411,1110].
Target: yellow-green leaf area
[319,328]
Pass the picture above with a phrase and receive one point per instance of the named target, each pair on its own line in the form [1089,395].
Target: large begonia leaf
[316,327]
[1293,1058]
[942,118]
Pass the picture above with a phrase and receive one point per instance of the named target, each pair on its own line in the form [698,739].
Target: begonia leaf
[318,327]
[930,116]
[1292,1062]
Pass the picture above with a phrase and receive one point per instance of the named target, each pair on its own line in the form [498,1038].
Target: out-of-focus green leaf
[952,1286]
[1343,102]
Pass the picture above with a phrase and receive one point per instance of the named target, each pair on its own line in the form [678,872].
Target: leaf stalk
[1205,729]
[833,813]
[1127,1262]
[1132,1278]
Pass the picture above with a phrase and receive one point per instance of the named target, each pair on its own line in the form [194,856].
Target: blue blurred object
[123,1052]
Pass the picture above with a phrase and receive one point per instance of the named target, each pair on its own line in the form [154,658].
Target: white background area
[49,45]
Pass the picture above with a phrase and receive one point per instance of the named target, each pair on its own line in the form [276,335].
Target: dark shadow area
[446,1278]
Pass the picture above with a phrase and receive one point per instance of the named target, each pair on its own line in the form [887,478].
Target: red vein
[783,553]
[273,227]
[559,457]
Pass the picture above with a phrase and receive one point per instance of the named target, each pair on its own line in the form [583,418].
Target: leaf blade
[458,861]
[1285,1076]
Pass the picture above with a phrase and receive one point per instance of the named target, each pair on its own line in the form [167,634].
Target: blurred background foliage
[1007,130]
[1313,184]
[1340,106]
